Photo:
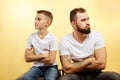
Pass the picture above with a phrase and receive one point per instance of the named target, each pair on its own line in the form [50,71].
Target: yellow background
[17,23]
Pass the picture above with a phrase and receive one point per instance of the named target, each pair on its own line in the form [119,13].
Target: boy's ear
[48,22]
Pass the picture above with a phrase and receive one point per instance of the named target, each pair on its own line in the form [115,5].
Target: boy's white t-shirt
[42,46]
[77,51]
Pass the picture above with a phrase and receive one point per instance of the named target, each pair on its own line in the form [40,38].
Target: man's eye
[83,19]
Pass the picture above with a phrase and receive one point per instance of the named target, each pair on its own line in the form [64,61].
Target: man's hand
[91,59]
[100,60]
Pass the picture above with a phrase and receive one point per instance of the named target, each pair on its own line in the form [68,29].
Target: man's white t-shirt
[42,46]
[69,46]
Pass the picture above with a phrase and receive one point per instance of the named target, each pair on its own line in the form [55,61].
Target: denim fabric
[47,72]
[51,74]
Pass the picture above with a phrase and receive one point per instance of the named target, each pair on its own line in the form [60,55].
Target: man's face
[40,21]
[82,23]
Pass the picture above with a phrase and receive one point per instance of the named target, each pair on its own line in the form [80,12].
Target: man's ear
[73,23]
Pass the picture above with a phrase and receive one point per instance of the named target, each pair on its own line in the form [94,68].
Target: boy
[41,49]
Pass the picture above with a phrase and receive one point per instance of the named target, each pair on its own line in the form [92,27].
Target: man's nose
[87,23]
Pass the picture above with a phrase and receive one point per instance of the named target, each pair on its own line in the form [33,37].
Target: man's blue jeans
[47,72]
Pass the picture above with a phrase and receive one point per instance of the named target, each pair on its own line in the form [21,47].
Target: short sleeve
[29,44]
[63,49]
[99,41]
[53,44]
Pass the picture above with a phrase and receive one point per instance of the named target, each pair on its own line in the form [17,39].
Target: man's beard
[84,31]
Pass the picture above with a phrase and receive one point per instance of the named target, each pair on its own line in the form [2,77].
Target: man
[41,49]
[82,52]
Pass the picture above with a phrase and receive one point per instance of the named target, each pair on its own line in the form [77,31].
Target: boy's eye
[37,19]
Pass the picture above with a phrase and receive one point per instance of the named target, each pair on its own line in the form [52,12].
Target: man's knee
[108,75]
[69,77]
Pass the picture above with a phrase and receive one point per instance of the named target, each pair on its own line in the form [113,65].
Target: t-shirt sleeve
[99,42]
[29,44]
[53,44]
[63,49]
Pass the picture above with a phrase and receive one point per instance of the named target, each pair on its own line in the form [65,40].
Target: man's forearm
[100,60]
[96,65]
[79,66]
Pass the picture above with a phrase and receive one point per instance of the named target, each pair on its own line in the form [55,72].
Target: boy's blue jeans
[47,72]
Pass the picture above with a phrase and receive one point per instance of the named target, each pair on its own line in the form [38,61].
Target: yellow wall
[17,23]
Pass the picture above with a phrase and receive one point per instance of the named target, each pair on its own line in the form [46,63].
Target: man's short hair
[74,12]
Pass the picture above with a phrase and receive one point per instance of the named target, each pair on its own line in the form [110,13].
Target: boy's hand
[44,55]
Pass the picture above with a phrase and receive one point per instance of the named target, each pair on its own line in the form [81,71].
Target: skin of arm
[30,56]
[50,59]
[44,58]
[70,66]
[100,60]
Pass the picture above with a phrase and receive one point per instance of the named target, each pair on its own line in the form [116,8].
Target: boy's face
[41,21]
